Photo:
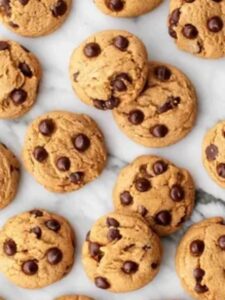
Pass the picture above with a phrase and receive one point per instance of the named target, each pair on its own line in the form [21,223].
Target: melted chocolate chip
[215,24]
[118,85]
[174,17]
[162,73]
[171,103]
[142,210]
[95,251]
[46,127]
[163,218]
[115,5]
[221,170]
[106,105]
[172,32]
[126,198]
[197,247]
[113,234]
[92,50]
[102,283]
[24,2]
[53,225]
[200,289]
[36,212]
[159,131]
[10,247]
[177,193]
[198,274]
[221,242]
[25,69]
[18,96]
[77,177]
[190,31]
[54,256]
[81,142]
[59,8]
[63,163]
[160,167]
[129,267]
[121,42]
[37,231]
[142,185]
[40,154]
[30,267]
[136,117]
[211,152]
[111,222]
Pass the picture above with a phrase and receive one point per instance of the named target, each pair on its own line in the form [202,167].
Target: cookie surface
[36,249]
[33,18]
[159,191]
[74,297]
[164,112]
[126,8]
[200,259]
[213,153]
[108,68]
[9,176]
[198,26]
[20,74]
[121,253]
[64,151]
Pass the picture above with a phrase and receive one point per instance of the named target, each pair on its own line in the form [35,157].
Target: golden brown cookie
[164,112]
[34,18]
[20,74]
[213,153]
[159,191]
[36,249]
[121,253]
[108,68]
[74,297]
[198,26]
[9,176]
[64,151]
[200,260]
[126,8]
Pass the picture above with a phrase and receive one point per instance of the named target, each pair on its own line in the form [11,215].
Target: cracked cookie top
[121,253]
[200,259]
[20,74]
[64,151]
[198,26]
[164,112]
[158,190]
[33,18]
[213,153]
[126,8]
[108,68]
[36,249]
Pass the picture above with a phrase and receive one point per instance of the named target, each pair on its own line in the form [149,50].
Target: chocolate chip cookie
[213,153]
[200,260]
[198,26]
[33,18]
[126,8]
[74,297]
[159,191]
[108,68]
[36,249]
[64,151]
[164,112]
[20,74]
[9,176]
[121,253]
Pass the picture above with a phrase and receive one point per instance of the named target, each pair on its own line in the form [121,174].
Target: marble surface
[82,208]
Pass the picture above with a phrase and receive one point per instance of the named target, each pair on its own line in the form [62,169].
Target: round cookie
[36,249]
[33,18]
[20,74]
[158,190]
[108,68]
[9,176]
[126,8]
[213,153]
[200,260]
[198,26]
[74,297]
[164,112]
[64,151]
[121,253]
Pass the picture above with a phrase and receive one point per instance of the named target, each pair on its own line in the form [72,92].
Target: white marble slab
[85,206]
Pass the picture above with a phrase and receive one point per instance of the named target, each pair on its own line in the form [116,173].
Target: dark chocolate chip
[211,152]
[53,225]
[159,167]
[159,131]
[136,117]
[30,267]
[190,31]
[13,25]
[221,170]
[172,32]
[118,85]
[81,142]
[46,127]
[37,231]
[130,267]
[95,251]
[4,45]
[215,24]
[54,256]
[102,283]
[174,17]
[115,5]
[24,2]
[198,274]
[36,212]
[162,73]
[142,185]
[92,50]
[40,154]
[77,177]
[121,42]
[113,234]
[106,105]
[154,266]
[126,198]
[63,163]
[221,242]
[124,76]
[111,222]
[200,289]
[18,96]
[197,247]
[163,218]
[177,193]
[171,103]
[10,247]
[59,8]
[25,69]
[142,210]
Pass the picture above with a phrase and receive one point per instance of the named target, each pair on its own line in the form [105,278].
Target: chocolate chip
[190,31]
[126,198]
[54,256]
[13,25]
[75,76]
[24,2]
[37,231]
[215,24]
[25,69]
[30,267]
[46,127]
[59,8]
[53,225]
[4,45]
[142,185]
[63,163]
[10,247]
[111,222]
[174,17]
[95,251]
[113,234]
[119,85]
[198,274]
[177,193]
[154,266]
[105,105]
[159,167]
[18,96]
[162,73]
[200,289]
[81,142]
[40,154]
[102,283]
[142,210]
[124,76]
[129,267]
[191,1]
[221,242]
[172,32]
[115,5]
[197,247]
[36,212]
[159,131]
[171,103]
[77,177]
[136,117]
[121,43]
[221,170]
[211,152]
[92,50]
[163,218]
